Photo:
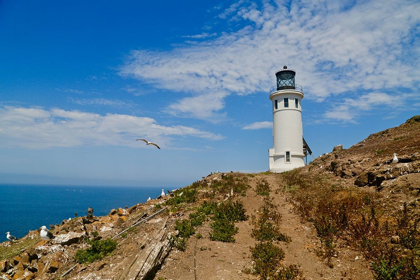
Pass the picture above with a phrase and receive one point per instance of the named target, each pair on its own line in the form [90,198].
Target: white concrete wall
[287,131]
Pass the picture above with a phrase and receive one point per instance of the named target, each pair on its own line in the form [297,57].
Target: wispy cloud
[368,46]
[200,36]
[69,90]
[258,125]
[350,109]
[38,128]
[101,102]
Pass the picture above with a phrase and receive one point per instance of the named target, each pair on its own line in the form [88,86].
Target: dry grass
[360,218]
[9,250]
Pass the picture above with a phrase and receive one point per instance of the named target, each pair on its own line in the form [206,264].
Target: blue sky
[81,80]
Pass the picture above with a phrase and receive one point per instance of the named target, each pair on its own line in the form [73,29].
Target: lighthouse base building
[288,144]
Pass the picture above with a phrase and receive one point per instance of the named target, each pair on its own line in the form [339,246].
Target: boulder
[19,274]
[4,265]
[54,266]
[338,148]
[119,222]
[4,276]
[69,238]
[122,212]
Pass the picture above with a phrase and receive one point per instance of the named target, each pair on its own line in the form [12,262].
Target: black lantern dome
[285,79]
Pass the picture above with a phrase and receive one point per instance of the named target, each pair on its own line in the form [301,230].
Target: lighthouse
[288,144]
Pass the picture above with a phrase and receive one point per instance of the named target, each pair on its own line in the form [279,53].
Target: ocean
[28,207]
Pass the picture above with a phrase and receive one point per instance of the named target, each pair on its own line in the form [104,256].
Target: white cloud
[258,125]
[101,102]
[38,128]
[202,106]
[69,90]
[350,109]
[201,36]
[335,48]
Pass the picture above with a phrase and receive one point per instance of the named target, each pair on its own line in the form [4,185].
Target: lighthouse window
[276,104]
[297,103]
[287,156]
[286,102]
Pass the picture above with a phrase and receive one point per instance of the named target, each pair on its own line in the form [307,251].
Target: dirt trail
[302,250]
[218,260]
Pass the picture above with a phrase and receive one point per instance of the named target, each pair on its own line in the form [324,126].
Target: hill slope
[350,214]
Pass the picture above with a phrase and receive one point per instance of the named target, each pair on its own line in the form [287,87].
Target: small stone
[395,239]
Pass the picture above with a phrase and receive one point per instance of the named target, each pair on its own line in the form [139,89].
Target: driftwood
[149,258]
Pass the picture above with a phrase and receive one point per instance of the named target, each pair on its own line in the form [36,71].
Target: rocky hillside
[350,214]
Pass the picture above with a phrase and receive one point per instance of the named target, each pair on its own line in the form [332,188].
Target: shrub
[288,273]
[97,251]
[231,211]
[266,231]
[385,270]
[207,208]
[197,219]
[224,217]
[263,188]
[178,242]
[189,195]
[267,258]
[185,228]
[223,230]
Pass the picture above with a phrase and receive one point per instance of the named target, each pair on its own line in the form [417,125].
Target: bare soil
[219,260]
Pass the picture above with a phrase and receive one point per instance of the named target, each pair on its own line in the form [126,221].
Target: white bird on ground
[395,159]
[149,198]
[148,143]
[163,193]
[10,237]
[45,234]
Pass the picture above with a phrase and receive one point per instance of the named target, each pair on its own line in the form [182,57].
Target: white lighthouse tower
[288,149]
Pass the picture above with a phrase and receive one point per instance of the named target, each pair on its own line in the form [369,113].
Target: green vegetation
[267,259]
[186,195]
[413,120]
[223,230]
[184,228]
[266,225]
[266,255]
[97,251]
[224,217]
[17,247]
[263,188]
[229,183]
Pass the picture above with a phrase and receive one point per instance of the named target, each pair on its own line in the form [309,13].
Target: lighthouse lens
[286,79]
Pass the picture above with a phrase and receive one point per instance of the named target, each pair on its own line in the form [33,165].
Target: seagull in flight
[10,237]
[148,143]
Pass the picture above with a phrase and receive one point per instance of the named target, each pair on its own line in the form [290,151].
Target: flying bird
[148,143]
[10,237]
[45,234]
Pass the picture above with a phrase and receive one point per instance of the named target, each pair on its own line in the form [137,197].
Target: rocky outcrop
[147,260]
[374,176]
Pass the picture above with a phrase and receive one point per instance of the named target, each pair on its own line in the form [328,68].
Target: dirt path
[228,261]
[302,250]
